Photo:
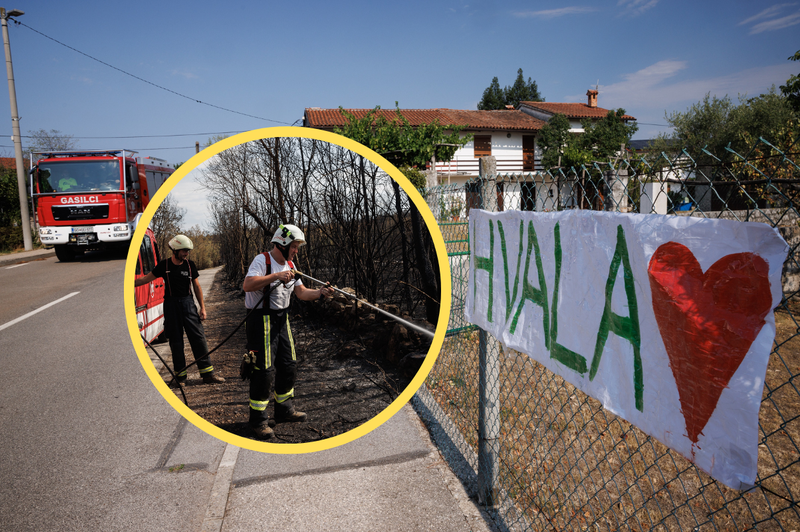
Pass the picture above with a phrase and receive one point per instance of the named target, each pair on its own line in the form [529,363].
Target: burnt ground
[351,365]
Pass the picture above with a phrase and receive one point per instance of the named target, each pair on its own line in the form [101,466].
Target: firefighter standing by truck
[180,313]
[269,335]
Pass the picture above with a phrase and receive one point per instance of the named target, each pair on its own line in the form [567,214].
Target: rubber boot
[210,378]
[284,414]
[263,432]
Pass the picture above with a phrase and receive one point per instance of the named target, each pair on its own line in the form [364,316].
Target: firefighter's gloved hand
[248,365]
[327,290]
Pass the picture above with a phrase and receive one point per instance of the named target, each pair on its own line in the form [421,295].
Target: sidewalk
[25,256]
[392,479]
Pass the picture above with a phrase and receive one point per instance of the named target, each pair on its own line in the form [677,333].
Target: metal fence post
[489,368]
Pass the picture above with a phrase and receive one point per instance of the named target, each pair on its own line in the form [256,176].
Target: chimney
[592,94]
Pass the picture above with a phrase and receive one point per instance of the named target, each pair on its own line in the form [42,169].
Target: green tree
[522,91]
[399,141]
[601,140]
[554,138]
[608,136]
[409,147]
[10,227]
[495,98]
[792,88]
[714,124]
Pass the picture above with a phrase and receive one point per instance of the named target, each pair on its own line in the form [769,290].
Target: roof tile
[571,110]
[503,119]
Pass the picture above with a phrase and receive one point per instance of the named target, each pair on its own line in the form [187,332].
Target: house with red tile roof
[575,112]
[509,134]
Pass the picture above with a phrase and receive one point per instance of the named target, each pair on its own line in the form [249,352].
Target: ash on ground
[351,364]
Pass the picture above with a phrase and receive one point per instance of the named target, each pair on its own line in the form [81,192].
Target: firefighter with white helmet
[269,335]
[180,313]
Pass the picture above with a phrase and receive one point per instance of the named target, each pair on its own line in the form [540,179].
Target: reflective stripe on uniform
[281,398]
[259,405]
[291,340]
[206,370]
[182,373]
[267,346]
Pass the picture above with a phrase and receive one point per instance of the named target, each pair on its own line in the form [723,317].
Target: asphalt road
[86,441]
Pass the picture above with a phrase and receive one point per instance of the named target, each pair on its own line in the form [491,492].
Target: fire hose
[174,378]
[249,361]
[405,323]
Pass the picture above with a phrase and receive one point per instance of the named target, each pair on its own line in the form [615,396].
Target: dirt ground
[349,368]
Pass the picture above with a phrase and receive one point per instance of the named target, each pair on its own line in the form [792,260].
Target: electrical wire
[146,81]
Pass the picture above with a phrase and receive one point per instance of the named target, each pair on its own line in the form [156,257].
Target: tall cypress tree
[493,97]
[521,91]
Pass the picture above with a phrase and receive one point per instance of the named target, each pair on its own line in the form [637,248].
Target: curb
[26,256]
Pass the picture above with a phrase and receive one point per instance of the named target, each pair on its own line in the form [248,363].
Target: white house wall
[506,149]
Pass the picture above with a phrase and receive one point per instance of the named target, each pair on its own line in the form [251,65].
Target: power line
[146,136]
[131,148]
[146,81]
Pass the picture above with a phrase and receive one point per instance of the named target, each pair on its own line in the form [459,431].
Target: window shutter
[483,145]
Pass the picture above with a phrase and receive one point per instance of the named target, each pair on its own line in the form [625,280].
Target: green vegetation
[399,141]
[521,91]
[601,140]
[792,88]
[10,228]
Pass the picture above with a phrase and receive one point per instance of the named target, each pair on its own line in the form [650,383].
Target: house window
[483,145]
[528,153]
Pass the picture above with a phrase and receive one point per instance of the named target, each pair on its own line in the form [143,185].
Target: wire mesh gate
[565,463]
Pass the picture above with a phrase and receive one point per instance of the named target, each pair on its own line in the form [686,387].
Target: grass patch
[568,464]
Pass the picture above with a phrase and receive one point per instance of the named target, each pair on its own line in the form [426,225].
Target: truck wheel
[65,253]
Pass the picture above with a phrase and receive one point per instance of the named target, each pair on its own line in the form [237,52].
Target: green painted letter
[485,263]
[537,296]
[571,359]
[624,327]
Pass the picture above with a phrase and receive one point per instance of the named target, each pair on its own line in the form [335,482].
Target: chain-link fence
[565,463]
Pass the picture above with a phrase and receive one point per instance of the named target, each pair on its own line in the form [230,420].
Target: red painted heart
[707,321]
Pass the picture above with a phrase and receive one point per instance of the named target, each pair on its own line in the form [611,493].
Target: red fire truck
[149,297]
[92,199]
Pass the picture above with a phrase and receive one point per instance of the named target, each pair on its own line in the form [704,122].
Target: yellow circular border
[444,274]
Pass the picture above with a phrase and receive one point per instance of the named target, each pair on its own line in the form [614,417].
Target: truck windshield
[78,176]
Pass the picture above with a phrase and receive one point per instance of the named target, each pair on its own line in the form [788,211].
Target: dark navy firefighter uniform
[269,336]
[180,314]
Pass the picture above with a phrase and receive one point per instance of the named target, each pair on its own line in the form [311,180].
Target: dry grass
[567,464]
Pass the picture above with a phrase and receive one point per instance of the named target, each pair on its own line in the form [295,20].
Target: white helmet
[181,242]
[286,234]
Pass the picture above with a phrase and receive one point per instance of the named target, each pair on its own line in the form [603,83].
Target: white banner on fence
[666,320]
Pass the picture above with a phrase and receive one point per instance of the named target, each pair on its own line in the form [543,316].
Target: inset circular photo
[287,289]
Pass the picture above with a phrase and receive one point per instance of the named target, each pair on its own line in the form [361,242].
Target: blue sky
[272,60]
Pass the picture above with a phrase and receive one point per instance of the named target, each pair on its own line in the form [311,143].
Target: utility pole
[17,136]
